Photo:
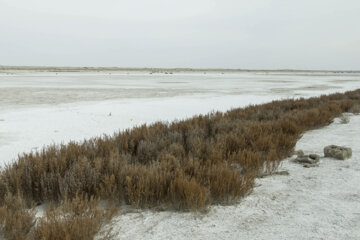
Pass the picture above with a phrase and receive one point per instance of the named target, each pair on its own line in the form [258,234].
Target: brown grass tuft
[16,220]
[79,218]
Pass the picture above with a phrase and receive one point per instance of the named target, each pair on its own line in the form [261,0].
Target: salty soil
[21,89]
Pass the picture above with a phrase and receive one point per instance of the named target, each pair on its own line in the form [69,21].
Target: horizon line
[159,69]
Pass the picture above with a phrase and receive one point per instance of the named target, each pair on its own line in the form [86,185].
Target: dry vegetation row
[184,165]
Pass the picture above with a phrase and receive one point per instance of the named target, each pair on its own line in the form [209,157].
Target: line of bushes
[183,165]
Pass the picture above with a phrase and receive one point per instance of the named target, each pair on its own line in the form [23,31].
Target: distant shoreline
[86,69]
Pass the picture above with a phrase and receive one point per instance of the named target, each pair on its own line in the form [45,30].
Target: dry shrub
[3,192]
[16,220]
[227,185]
[188,194]
[76,219]
[184,165]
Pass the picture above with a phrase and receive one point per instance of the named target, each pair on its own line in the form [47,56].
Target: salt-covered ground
[41,108]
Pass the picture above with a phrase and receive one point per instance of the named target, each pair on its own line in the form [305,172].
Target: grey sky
[257,34]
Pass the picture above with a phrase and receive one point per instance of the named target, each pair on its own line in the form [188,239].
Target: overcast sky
[251,34]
